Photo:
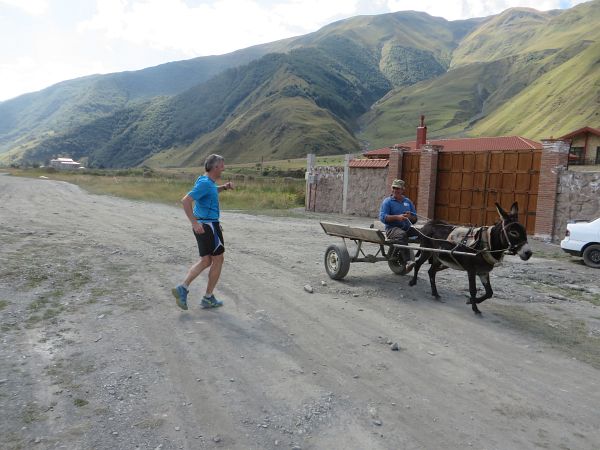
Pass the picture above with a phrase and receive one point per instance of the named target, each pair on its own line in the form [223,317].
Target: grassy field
[284,168]
[250,193]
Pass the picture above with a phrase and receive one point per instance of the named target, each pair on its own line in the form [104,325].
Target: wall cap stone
[556,145]
[431,148]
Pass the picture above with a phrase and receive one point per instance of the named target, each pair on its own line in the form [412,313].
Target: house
[506,143]
[585,146]
[65,164]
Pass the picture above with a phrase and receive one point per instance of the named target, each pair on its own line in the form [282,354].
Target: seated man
[398,214]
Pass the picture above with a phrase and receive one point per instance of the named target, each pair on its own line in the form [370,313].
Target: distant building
[585,146]
[65,164]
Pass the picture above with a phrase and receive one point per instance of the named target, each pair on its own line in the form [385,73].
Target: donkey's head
[514,235]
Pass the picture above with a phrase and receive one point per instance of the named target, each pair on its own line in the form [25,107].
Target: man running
[204,216]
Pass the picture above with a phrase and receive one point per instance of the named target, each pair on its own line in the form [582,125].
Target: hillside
[72,103]
[275,103]
[556,103]
[306,100]
[356,83]
[521,72]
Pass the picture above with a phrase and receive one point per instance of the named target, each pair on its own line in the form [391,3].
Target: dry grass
[250,193]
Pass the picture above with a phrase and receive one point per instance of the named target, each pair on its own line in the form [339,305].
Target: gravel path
[95,354]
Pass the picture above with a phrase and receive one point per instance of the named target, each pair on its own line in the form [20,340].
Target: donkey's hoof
[412,282]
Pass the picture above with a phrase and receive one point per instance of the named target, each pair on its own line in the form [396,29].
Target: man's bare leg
[197,269]
[214,273]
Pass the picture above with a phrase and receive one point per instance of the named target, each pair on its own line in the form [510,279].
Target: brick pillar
[428,166]
[555,155]
[395,167]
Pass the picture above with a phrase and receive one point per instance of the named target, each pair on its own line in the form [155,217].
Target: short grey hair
[212,161]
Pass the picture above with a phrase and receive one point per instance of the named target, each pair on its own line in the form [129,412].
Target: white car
[582,238]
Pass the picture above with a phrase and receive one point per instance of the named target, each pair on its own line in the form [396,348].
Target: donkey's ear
[514,209]
[501,212]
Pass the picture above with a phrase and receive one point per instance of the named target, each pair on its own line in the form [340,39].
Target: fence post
[555,156]
[309,177]
[394,167]
[428,167]
[347,158]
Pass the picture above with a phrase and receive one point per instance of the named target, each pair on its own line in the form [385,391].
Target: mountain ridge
[356,83]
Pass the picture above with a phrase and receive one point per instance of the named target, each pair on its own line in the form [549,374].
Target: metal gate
[469,183]
[410,175]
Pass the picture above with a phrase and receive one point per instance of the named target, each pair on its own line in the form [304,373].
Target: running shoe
[210,302]
[180,293]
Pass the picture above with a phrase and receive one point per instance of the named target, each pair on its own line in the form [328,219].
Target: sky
[43,42]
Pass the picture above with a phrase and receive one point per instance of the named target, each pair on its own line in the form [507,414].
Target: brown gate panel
[410,175]
[469,184]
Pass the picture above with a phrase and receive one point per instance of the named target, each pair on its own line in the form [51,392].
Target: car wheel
[591,256]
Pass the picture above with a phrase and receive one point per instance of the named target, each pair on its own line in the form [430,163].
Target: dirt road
[95,354]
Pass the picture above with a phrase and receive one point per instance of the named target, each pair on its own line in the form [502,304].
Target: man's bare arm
[187,203]
[225,187]
[398,217]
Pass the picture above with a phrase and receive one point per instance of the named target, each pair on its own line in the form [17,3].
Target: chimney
[421,134]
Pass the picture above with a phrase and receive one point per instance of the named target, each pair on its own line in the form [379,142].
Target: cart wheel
[337,261]
[591,256]
[398,267]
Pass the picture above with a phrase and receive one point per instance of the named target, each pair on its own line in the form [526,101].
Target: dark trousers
[400,236]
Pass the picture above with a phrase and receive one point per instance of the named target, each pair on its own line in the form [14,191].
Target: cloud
[222,26]
[132,34]
[312,14]
[33,7]
[211,28]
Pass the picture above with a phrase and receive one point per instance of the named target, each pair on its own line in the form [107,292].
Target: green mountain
[521,72]
[69,104]
[264,105]
[281,105]
[360,82]
[562,100]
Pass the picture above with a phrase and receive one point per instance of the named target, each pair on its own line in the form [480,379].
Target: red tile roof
[468,145]
[378,153]
[595,131]
[369,163]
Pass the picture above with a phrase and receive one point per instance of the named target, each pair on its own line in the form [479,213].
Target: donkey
[488,244]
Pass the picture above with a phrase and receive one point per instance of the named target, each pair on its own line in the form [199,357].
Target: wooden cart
[338,259]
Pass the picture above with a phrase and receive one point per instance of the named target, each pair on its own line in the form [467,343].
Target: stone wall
[578,198]
[324,194]
[366,190]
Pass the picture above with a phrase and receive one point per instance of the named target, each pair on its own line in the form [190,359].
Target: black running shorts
[210,242]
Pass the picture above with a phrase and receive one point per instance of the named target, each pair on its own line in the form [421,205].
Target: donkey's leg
[422,258]
[473,291]
[435,268]
[485,280]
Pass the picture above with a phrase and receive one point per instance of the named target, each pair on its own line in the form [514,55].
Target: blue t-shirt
[206,199]
[391,206]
